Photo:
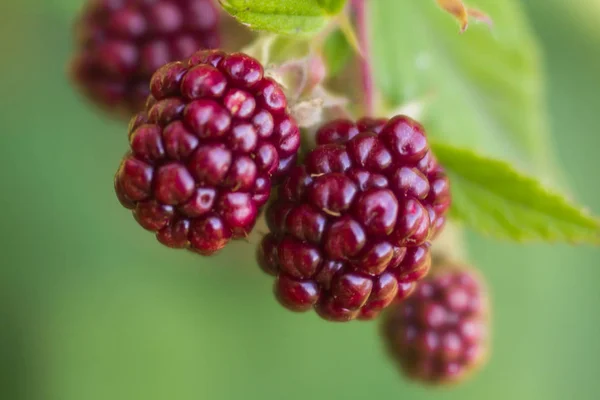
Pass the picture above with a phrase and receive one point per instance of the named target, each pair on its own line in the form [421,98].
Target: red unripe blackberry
[350,229]
[214,134]
[439,334]
[120,43]
[438,197]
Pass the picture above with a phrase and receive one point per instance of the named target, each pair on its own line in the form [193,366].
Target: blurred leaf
[279,16]
[486,86]
[575,15]
[493,198]
[337,52]
[332,6]
[347,28]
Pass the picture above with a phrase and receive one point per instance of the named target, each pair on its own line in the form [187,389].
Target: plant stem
[366,72]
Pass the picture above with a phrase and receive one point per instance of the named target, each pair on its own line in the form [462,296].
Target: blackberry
[350,229]
[214,135]
[438,199]
[120,43]
[439,334]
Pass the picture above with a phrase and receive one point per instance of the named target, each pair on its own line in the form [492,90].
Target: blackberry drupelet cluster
[214,134]
[437,199]
[439,334]
[121,43]
[350,229]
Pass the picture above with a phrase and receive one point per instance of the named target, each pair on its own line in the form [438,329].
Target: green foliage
[290,17]
[485,86]
[493,198]
[337,52]
[332,6]
[486,96]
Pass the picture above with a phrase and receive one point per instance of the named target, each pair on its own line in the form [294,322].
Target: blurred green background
[91,307]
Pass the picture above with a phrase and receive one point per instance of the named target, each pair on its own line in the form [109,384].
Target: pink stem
[366,72]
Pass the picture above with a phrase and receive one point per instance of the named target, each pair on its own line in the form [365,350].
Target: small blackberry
[350,229]
[120,43]
[214,134]
[439,334]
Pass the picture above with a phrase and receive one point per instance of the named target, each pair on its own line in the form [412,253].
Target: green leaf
[337,52]
[485,85]
[491,197]
[332,7]
[290,17]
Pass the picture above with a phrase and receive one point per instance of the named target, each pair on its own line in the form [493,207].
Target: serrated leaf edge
[584,219]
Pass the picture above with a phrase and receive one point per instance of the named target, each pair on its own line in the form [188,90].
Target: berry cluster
[439,334]
[121,43]
[350,229]
[214,134]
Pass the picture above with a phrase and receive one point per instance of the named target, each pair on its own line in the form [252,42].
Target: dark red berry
[337,131]
[204,154]
[415,171]
[439,334]
[119,45]
[353,223]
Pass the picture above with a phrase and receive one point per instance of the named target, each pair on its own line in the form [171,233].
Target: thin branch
[366,72]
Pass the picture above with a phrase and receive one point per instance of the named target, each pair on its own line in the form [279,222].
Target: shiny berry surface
[119,44]
[350,229]
[440,333]
[204,153]
[424,180]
